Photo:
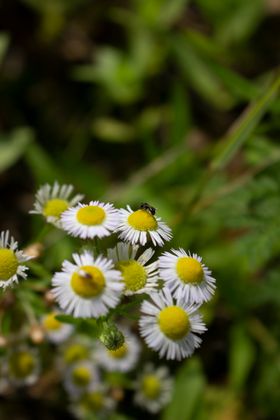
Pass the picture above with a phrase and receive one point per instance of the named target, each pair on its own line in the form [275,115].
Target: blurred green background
[174,103]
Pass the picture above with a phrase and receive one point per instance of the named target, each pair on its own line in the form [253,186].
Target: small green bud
[111,336]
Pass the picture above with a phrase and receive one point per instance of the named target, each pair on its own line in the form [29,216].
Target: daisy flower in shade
[137,227]
[52,201]
[10,261]
[56,331]
[80,378]
[22,366]
[75,351]
[138,276]
[95,401]
[91,220]
[88,288]
[123,359]
[153,388]
[170,326]
[186,276]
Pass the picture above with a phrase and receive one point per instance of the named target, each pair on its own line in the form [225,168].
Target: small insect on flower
[52,201]
[186,276]
[137,227]
[88,288]
[137,275]
[10,261]
[147,207]
[22,366]
[91,220]
[123,359]
[153,388]
[56,331]
[170,326]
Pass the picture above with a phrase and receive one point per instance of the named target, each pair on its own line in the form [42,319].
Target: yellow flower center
[21,364]
[75,352]
[8,264]
[142,220]
[151,386]
[55,207]
[91,215]
[88,282]
[174,322]
[119,353]
[189,270]
[51,323]
[81,376]
[133,274]
[94,401]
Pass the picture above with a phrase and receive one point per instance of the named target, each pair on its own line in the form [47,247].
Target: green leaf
[243,128]
[188,392]
[14,147]
[241,357]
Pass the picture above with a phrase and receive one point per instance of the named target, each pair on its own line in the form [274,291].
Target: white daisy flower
[91,220]
[22,366]
[52,201]
[75,351]
[186,276]
[96,401]
[137,276]
[170,327]
[153,388]
[80,378]
[123,359]
[56,331]
[10,261]
[88,288]
[137,227]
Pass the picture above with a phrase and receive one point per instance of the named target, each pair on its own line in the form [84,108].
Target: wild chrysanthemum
[10,260]
[88,288]
[170,326]
[22,367]
[137,227]
[80,378]
[122,359]
[137,275]
[91,220]
[52,201]
[56,331]
[153,388]
[97,401]
[186,276]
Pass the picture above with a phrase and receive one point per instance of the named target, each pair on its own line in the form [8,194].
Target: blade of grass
[243,127]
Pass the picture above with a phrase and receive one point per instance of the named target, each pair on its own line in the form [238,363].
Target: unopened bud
[36,334]
[34,250]
[3,342]
[111,336]
[49,297]
[117,394]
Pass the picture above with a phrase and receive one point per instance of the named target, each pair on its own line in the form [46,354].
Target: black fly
[148,208]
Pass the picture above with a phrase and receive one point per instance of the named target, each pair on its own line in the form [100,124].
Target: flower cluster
[99,284]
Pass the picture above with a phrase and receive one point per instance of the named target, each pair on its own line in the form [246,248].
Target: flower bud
[111,336]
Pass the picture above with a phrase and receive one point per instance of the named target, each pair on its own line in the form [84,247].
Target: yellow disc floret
[174,322]
[93,401]
[120,352]
[189,270]
[151,386]
[91,215]
[51,323]
[21,364]
[8,264]
[75,352]
[81,375]
[142,220]
[88,282]
[133,274]
[55,207]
